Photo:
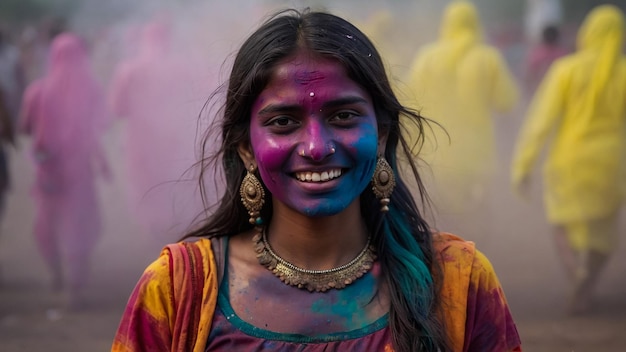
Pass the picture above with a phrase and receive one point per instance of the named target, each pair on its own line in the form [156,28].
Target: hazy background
[518,240]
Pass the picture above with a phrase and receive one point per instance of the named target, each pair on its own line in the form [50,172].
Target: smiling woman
[293,133]
[317,243]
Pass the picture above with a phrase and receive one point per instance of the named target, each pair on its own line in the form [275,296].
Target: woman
[316,243]
[581,102]
[64,113]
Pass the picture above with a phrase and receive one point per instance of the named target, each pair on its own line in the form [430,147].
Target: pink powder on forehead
[308,77]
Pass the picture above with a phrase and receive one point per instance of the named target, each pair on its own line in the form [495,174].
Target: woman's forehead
[305,68]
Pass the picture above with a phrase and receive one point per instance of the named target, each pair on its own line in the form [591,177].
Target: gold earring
[252,196]
[383,183]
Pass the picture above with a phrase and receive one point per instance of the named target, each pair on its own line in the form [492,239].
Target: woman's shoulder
[445,242]
[179,257]
[457,254]
[186,262]
[195,249]
[203,244]
[460,257]
[179,253]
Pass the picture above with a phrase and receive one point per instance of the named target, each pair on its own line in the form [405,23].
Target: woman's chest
[264,301]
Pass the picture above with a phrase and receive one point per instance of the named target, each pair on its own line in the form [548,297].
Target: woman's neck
[317,243]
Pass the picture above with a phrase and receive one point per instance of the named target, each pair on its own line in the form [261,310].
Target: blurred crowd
[62,90]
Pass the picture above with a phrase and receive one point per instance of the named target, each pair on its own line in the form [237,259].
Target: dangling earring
[252,196]
[383,183]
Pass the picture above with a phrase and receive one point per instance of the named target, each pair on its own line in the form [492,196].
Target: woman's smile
[318,176]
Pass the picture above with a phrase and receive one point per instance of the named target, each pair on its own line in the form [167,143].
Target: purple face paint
[316,152]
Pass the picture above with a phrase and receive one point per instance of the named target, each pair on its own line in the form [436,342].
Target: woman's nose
[317,143]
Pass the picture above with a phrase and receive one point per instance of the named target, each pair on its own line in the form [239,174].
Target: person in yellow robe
[461,82]
[582,104]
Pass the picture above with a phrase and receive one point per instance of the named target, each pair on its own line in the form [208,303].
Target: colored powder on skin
[347,304]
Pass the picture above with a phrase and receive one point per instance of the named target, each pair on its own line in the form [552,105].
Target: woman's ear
[246,155]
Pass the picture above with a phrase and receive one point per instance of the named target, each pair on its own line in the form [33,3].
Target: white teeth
[318,177]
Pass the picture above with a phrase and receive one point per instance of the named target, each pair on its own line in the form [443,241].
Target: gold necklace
[313,280]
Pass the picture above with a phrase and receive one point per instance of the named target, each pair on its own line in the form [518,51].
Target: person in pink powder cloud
[154,93]
[64,113]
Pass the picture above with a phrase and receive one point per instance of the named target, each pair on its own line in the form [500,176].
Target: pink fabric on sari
[158,94]
[64,112]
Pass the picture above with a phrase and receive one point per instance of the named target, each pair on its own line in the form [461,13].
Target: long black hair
[402,238]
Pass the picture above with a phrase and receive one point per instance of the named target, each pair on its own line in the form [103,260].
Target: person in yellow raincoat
[582,103]
[460,82]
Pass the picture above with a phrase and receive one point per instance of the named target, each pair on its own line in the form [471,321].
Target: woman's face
[314,136]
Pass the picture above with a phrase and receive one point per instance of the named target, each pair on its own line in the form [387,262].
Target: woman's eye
[343,116]
[281,121]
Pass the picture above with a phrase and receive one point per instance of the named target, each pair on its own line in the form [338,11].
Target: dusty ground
[33,319]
